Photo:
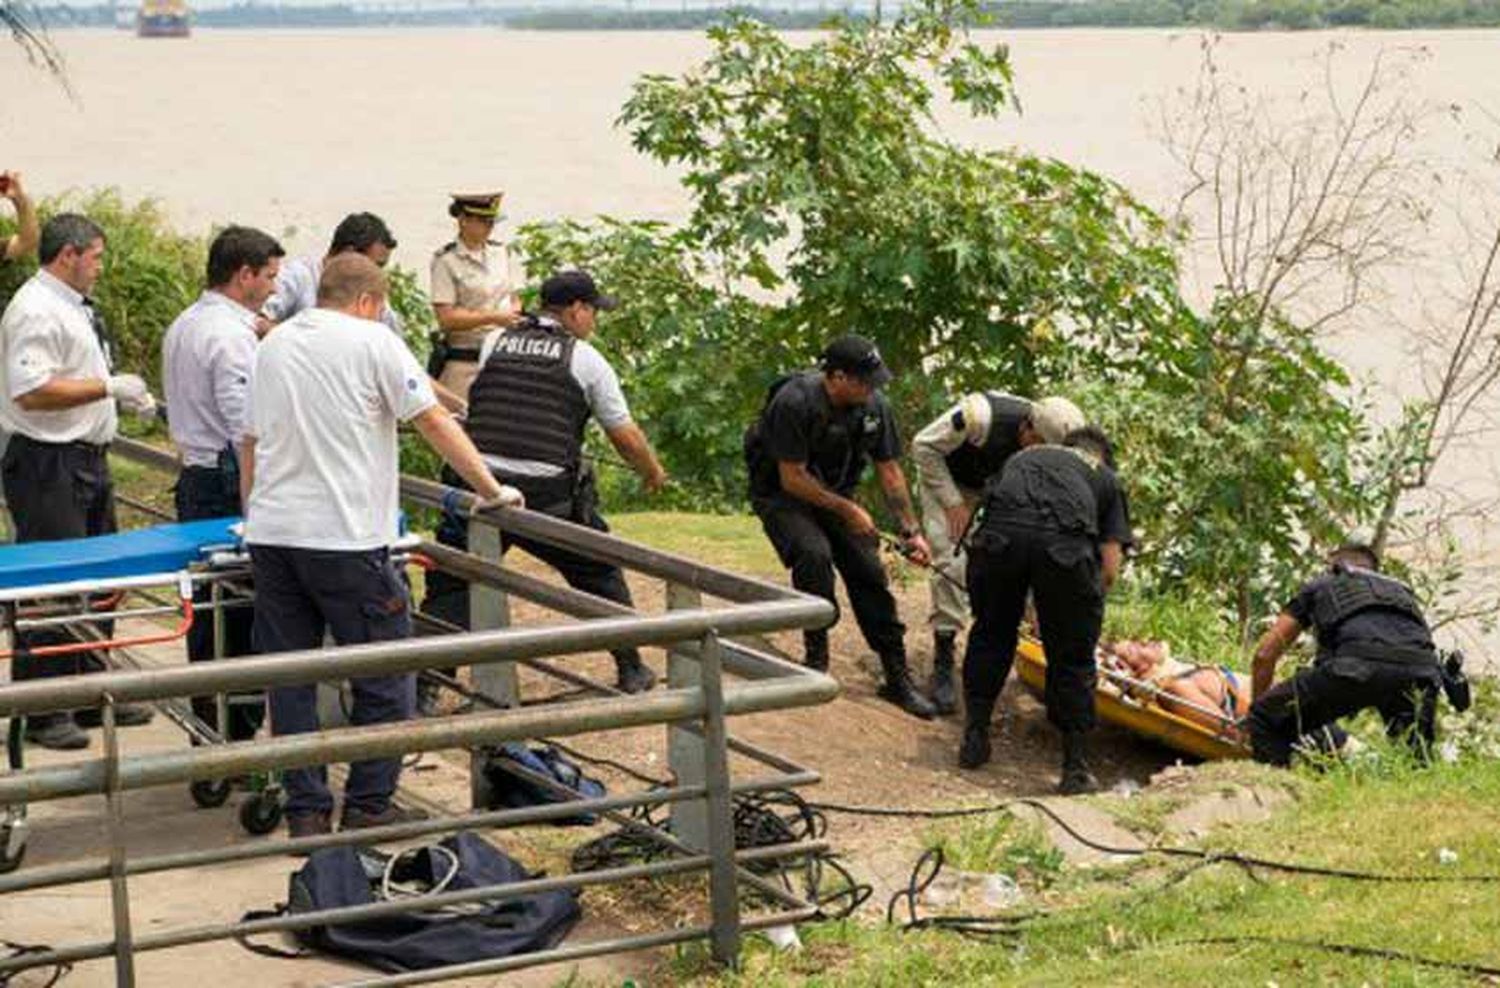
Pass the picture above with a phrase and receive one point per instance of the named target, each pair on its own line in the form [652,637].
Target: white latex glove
[127,389]
[144,407]
[508,497]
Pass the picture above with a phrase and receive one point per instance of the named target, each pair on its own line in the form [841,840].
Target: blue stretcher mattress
[160,549]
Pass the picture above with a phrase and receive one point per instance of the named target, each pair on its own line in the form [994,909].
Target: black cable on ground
[11,949]
[760,820]
[1231,857]
[1351,949]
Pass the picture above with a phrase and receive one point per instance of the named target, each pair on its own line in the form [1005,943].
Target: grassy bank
[1146,923]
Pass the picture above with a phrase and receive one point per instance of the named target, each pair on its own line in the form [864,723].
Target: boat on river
[163,19]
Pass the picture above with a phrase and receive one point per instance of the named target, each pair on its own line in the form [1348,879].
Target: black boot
[941,687]
[975,751]
[1076,777]
[632,675]
[815,654]
[899,690]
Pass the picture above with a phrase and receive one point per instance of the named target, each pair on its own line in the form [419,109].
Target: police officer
[805,455]
[1374,650]
[1054,524]
[58,393]
[955,454]
[320,471]
[208,358]
[537,387]
[472,292]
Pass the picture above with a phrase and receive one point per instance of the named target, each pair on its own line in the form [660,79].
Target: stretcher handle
[184,624]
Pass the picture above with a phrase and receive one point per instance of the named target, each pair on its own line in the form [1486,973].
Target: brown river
[290,130]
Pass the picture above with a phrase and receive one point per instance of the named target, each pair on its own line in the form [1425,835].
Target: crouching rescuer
[1374,650]
[1055,524]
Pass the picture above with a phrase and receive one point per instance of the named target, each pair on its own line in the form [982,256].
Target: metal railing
[694,707]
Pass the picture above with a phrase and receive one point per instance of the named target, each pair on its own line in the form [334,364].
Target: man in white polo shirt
[320,470]
[57,403]
[208,356]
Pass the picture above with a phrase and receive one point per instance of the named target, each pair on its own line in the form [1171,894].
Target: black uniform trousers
[357,596]
[213,492]
[56,491]
[1062,573]
[447,596]
[812,543]
[1404,694]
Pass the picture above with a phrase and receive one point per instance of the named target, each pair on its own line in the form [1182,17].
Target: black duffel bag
[424,937]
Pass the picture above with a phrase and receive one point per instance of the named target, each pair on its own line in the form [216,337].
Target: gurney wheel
[261,814]
[9,862]
[209,793]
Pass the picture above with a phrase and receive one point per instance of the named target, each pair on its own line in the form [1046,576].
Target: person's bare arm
[631,443]
[453,319]
[893,484]
[802,485]
[63,392]
[28,228]
[1273,644]
[449,399]
[1111,558]
[447,437]
[247,470]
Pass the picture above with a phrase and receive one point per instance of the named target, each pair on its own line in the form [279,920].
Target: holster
[1455,683]
[437,356]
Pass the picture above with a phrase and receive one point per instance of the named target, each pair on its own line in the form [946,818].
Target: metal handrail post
[489,609]
[119,891]
[685,747]
[723,891]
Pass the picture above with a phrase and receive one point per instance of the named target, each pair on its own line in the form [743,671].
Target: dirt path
[867,751]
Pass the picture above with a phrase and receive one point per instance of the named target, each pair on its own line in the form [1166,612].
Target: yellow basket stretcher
[1127,702]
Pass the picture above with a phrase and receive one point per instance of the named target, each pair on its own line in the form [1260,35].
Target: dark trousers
[1062,574]
[812,543]
[447,596]
[213,492]
[56,491]
[1405,696]
[358,597]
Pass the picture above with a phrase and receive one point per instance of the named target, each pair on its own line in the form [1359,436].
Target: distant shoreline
[1220,15]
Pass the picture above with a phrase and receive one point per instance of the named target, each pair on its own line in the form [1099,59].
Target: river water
[289,130]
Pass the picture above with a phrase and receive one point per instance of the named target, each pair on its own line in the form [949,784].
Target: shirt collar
[476,253]
[211,297]
[63,290]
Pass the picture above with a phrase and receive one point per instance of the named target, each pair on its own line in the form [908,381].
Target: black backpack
[346,876]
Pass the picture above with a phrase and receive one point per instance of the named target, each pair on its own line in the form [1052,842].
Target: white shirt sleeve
[34,353]
[405,386]
[292,291]
[601,386]
[233,369]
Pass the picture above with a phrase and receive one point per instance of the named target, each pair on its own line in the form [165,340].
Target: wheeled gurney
[79,584]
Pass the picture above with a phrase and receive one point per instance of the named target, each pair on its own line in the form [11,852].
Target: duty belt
[1406,655]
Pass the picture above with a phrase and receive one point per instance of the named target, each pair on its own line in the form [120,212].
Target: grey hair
[67,230]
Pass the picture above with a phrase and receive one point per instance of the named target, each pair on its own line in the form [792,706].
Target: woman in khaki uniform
[472,292]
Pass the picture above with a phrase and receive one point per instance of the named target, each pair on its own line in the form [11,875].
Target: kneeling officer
[1374,650]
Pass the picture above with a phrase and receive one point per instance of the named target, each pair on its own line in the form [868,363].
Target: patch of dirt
[868,752]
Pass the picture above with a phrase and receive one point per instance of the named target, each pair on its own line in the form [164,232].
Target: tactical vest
[969,465]
[1352,591]
[525,403]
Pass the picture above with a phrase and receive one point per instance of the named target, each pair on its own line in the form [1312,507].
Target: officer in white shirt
[320,470]
[57,402]
[208,357]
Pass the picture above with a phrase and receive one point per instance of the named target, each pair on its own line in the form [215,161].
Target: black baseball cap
[858,356]
[566,287]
